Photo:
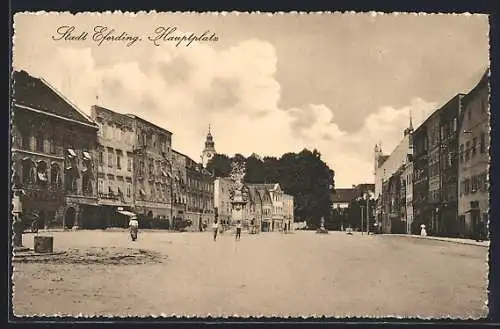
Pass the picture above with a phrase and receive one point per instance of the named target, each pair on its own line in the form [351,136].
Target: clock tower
[209,150]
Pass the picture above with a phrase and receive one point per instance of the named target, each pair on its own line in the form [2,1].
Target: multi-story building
[386,165]
[53,154]
[115,167]
[199,193]
[288,211]
[276,194]
[474,141]
[434,187]
[392,206]
[448,165]
[266,222]
[407,198]
[421,210]
[153,171]
[222,198]
[179,191]
[255,208]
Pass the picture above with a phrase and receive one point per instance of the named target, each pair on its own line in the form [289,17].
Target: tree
[303,175]
[255,169]
[219,165]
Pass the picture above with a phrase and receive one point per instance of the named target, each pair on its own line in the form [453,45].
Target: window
[39,142]
[53,141]
[119,159]
[110,157]
[26,140]
[101,157]
[467,149]
[129,189]
[461,153]
[474,144]
[482,143]
[55,175]
[454,124]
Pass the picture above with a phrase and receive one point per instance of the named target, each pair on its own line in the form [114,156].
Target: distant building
[153,172]
[342,197]
[53,154]
[449,115]
[288,211]
[407,197]
[387,165]
[222,198]
[474,141]
[115,167]
[200,194]
[209,150]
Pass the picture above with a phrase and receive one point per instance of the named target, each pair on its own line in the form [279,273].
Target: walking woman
[215,227]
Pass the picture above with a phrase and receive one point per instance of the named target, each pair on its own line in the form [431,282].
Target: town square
[260,275]
[234,171]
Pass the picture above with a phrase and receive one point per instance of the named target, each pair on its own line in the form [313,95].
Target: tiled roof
[39,95]
[344,195]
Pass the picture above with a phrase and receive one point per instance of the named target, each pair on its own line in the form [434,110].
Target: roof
[38,94]
[342,195]
[483,82]
[138,118]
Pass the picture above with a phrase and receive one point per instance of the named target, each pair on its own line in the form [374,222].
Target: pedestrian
[238,230]
[134,227]
[215,227]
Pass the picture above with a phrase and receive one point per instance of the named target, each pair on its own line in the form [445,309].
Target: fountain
[239,195]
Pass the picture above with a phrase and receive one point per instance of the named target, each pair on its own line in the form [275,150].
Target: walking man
[238,230]
[215,227]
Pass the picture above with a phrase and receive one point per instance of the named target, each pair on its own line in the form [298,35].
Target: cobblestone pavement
[268,274]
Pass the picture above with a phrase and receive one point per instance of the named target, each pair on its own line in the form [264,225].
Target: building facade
[474,143]
[421,209]
[407,187]
[199,194]
[222,198]
[115,167]
[153,172]
[387,165]
[53,155]
[288,211]
[449,115]
[434,186]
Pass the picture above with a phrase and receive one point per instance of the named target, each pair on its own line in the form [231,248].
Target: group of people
[215,228]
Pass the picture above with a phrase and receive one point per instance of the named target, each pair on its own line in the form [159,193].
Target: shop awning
[166,174]
[86,156]
[71,152]
[127,213]
[142,192]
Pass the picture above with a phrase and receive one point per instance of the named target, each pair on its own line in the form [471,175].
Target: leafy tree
[220,165]
[303,175]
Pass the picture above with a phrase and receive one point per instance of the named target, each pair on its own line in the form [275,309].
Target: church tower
[209,150]
[409,132]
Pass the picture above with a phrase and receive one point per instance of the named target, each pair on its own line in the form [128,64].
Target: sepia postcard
[250,165]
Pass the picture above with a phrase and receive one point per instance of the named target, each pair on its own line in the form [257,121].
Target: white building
[222,197]
[407,182]
[288,210]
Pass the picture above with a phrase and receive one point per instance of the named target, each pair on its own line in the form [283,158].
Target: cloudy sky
[269,84]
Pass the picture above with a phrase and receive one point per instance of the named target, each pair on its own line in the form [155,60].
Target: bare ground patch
[94,255]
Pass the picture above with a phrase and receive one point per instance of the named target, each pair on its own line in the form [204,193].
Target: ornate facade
[53,154]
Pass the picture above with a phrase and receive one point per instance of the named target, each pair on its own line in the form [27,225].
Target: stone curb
[470,243]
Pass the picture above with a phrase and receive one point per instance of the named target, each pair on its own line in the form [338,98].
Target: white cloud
[234,89]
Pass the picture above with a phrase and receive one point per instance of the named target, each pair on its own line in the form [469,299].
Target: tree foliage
[303,175]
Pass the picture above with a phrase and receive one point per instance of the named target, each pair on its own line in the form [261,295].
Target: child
[215,227]
[238,230]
